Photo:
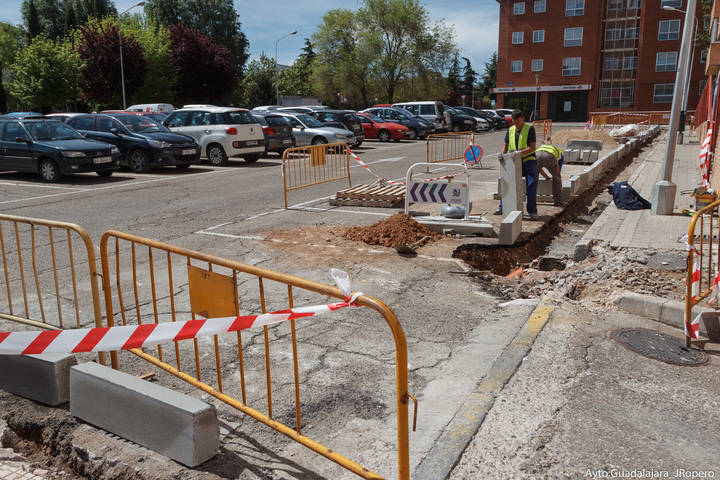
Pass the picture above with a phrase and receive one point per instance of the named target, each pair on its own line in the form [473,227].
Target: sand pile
[561,137]
[397,230]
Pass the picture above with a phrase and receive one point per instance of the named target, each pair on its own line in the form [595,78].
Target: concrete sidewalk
[640,228]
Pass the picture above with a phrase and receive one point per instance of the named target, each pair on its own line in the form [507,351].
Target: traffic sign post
[473,155]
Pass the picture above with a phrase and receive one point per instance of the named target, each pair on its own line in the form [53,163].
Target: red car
[376,127]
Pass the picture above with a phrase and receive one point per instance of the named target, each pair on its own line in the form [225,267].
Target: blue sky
[475,23]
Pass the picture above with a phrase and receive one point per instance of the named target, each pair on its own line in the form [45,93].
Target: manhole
[659,346]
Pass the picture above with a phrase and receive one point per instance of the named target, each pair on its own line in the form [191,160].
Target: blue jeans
[530,172]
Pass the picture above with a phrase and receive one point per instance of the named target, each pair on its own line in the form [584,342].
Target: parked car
[501,121]
[376,127]
[158,117]
[417,127]
[303,109]
[430,111]
[143,142]
[482,122]
[342,119]
[311,131]
[506,113]
[52,149]
[151,108]
[277,130]
[221,132]
[62,117]
[23,114]
[266,108]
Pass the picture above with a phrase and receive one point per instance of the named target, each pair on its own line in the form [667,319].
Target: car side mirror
[22,140]
[114,131]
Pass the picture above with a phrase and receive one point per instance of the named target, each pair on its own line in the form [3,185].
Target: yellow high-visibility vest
[523,141]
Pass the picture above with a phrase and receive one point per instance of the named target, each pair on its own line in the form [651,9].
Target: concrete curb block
[669,312]
[42,378]
[582,249]
[449,447]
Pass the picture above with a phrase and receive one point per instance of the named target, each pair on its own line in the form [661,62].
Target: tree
[453,81]
[296,79]
[203,69]
[403,41]
[10,40]
[489,77]
[99,48]
[84,10]
[216,19]
[46,74]
[258,84]
[70,17]
[31,19]
[159,82]
[469,78]
[43,17]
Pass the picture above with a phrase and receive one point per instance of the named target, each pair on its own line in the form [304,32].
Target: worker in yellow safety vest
[550,158]
[521,136]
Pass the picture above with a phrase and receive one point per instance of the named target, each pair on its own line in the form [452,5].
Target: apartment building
[574,57]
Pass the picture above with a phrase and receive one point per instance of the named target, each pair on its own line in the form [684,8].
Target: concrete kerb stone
[42,378]
[582,250]
[173,424]
[510,228]
[447,450]
[669,312]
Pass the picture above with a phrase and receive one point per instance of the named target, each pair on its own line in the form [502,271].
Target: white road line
[42,186]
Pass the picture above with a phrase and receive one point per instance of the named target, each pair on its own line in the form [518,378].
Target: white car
[151,108]
[221,132]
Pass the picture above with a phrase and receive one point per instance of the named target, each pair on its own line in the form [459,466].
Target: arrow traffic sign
[438,192]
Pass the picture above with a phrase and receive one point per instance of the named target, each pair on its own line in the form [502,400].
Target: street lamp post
[664,191]
[122,68]
[535,106]
[277,72]
[686,93]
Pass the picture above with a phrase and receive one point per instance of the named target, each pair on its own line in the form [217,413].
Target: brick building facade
[582,56]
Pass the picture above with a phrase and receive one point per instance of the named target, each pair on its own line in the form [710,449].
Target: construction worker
[550,158]
[521,136]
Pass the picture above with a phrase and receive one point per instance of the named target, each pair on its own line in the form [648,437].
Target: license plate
[287,140]
[251,142]
[190,151]
[102,160]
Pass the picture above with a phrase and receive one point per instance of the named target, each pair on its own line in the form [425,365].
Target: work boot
[498,211]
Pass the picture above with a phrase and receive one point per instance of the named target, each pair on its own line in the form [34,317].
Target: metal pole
[686,93]
[277,70]
[664,191]
[122,69]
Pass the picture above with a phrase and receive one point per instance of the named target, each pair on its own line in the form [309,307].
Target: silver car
[310,131]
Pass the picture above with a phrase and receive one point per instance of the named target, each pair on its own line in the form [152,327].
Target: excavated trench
[501,259]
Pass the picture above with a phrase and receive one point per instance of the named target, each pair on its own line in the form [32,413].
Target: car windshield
[310,122]
[374,118]
[49,130]
[403,113]
[141,124]
[277,121]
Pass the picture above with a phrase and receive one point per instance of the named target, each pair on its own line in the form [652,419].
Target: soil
[562,136]
[393,231]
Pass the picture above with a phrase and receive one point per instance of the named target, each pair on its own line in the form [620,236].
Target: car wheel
[216,155]
[413,134]
[319,141]
[384,136]
[138,161]
[105,173]
[357,144]
[49,171]
[251,158]
[456,128]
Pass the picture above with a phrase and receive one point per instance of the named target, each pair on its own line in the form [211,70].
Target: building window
[516,66]
[633,4]
[702,86]
[669,29]
[615,4]
[613,33]
[517,38]
[629,63]
[574,8]
[538,36]
[632,33]
[537,65]
[518,8]
[663,93]
[571,66]
[703,56]
[539,6]
[671,3]
[612,62]
[573,37]
[666,62]
[616,94]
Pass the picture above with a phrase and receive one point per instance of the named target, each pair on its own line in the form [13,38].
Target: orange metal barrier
[312,165]
[149,281]
[709,250]
[47,268]
[443,147]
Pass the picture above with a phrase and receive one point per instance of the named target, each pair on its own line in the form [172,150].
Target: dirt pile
[393,231]
[561,137]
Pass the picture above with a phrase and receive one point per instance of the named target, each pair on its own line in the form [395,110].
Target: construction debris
[393,231]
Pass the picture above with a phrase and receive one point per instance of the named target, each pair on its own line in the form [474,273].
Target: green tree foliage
[258,84]
[489,77]
[403,42]
[99,47]
[453,82]
[10,42]
[70,18]
[31,19]
[46,74]
[43,17]
[84,10]
[216,19]
[159,82]
[469,78]
[296,79]
[203,68]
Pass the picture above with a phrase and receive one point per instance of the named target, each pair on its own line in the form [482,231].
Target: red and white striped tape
[388,181]
[704,153]
[106,339]
[692,328]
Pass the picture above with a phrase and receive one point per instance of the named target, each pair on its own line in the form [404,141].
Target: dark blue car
[143,143]
[52,149]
